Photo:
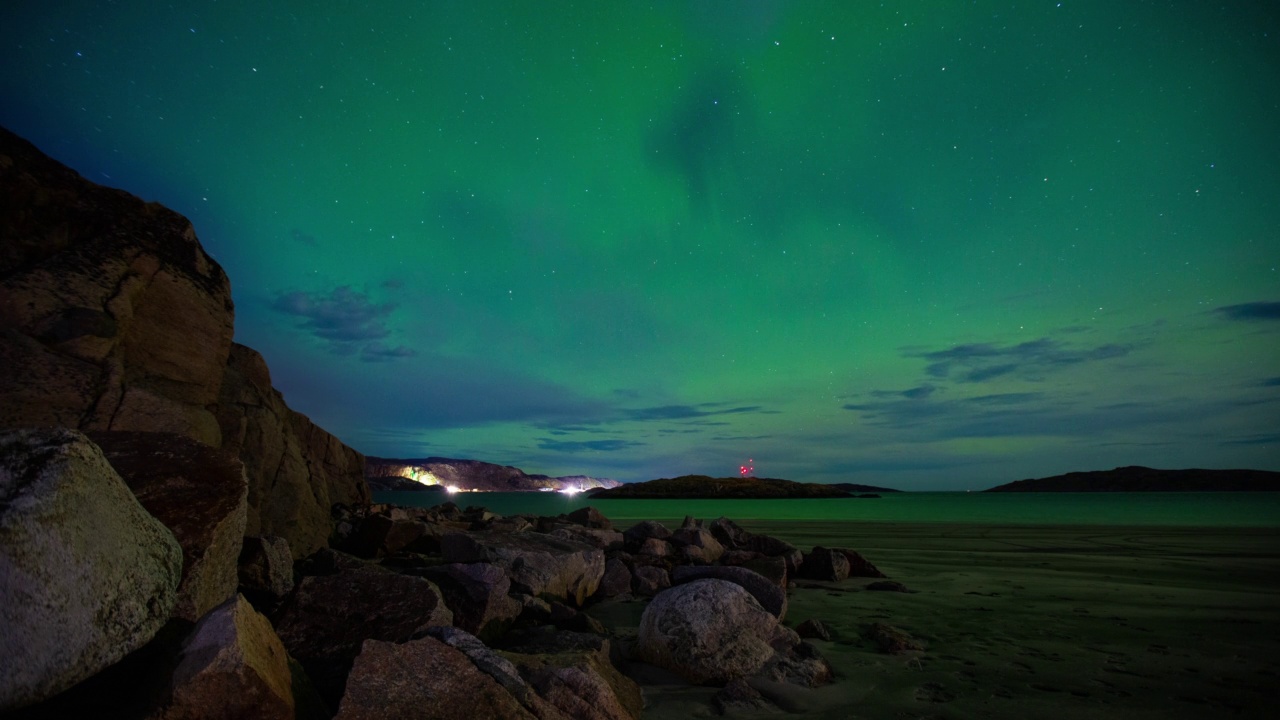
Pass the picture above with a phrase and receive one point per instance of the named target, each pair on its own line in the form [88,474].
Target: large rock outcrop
[296,470]
[87,575]
[113,317]
[111,312]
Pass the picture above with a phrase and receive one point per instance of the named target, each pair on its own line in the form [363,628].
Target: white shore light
[451,489]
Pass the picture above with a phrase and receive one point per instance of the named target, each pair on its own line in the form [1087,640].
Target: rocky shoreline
[409,612]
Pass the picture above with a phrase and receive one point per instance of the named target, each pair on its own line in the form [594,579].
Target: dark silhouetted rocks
[1136,478]
[703,487]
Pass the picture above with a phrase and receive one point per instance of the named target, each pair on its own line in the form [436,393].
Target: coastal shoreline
[1059,621]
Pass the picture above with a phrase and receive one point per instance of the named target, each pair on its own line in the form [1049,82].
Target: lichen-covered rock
[198,492]
[537,564]
[765,591]
[708,631]
[327,618]
[423,679]
[87,575]
[232,666]
[266,565]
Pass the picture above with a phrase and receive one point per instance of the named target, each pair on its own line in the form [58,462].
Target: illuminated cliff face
[473,475]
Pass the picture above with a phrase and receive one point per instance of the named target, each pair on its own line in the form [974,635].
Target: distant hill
[692,487]
[1144,479]
[856,488]
[474,475]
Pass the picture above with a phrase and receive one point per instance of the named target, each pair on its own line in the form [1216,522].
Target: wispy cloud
[685,412]
[980,362]
[579,446]
[378,352]
[342,315]
[1250,311]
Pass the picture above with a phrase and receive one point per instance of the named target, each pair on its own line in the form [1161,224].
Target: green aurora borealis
[929,245]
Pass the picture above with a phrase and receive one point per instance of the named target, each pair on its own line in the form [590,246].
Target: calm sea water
[1234,509]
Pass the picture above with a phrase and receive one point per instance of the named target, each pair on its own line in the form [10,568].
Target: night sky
[928,245]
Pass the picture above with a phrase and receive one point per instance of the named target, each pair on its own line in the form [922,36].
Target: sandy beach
[1036,622]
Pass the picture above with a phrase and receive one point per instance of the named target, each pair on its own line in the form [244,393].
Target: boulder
[616,580]
[860,566]
[654,547]
[773,547]
[482,656]
[266,566]
[582,685]
[423,678]
[710,631]
[87,575]
[589,517]
[635,535]
[327,618]
[537,564]
[296,470]
[198,492]
[112,316]
[232,666]
[729,533]
[813,629]
[891,640]
[701,538]
[825,564]
[477,595]
[603,539]
[765,591]
[650,580]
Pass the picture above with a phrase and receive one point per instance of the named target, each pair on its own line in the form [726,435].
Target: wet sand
[1038,622]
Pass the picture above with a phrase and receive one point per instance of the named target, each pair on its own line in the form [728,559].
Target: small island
[695,487]
[1136,478]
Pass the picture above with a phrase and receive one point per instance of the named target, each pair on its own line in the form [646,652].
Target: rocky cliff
[477,475]
[113,317]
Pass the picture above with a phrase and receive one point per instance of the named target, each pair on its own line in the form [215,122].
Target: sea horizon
[1208,509]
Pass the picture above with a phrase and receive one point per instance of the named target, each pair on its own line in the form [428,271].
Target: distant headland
[1136,478]
[471,475]
[694,487]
